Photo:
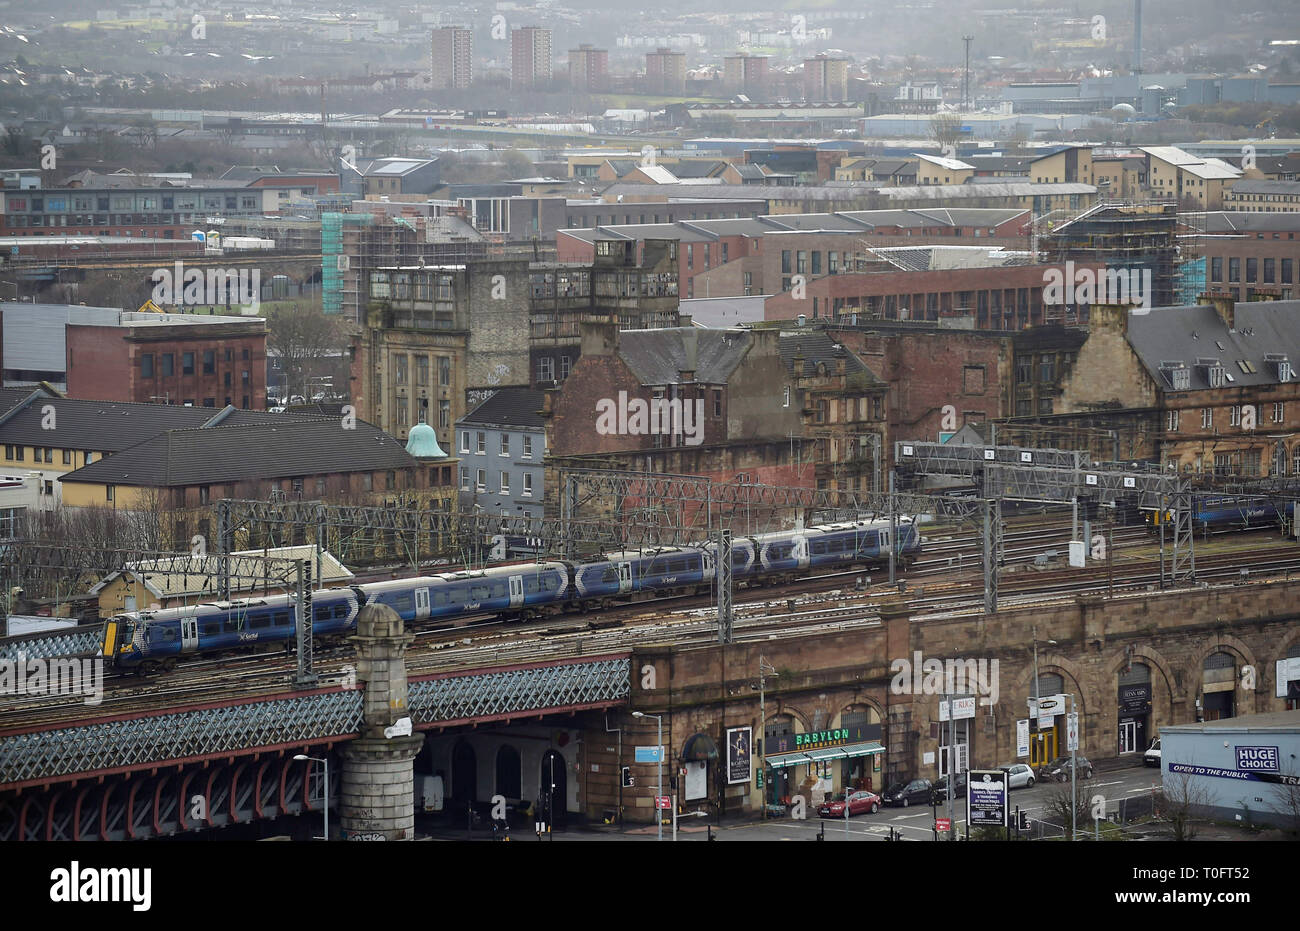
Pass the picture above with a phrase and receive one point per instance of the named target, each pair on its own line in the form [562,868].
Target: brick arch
[1050,662]
[1284,644]
[1156,660]
[800,716]
[839,715]
[1226,643]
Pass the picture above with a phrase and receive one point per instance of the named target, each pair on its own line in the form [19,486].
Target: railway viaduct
[836,708]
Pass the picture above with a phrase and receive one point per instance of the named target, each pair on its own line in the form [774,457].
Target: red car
[860,802]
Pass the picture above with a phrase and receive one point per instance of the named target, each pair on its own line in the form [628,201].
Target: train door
[707,564]
[516,590]
[189,634]
[799,552]
[624,577]
[421,602]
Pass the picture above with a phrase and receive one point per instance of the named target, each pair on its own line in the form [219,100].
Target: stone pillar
[377,787]
[899,725]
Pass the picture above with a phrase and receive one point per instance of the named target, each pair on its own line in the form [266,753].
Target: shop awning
[800,757]
[698,748]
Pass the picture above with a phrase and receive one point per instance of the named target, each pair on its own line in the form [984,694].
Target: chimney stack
[1225,306]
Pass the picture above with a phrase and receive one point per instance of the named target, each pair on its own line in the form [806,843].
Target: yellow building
[1182,176]
[185,580]
[933,169]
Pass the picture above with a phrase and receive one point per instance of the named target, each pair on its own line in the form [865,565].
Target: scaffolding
[1133,237]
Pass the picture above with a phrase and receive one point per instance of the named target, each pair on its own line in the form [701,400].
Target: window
[1172,422]
[1046,368]
[422,370]
[146,365]
[785,398]
[168,364]
[481,443]
[204,495]
[545,369]
[1270,270]
[1234,416]
[1252,270]
[1288,266]
[816,263]
[785,262]
[464,479]
[820,410]
[444,371]
[391,480]
[187,363]
[464,441]
[444,414]
[1024,370]
[108,492]
[1207,418]
[566,365]
[480,481]
[67,457]
[399,370]
[528,479]
[209,362]
[1279,411]
[1234,269]
[505,483]
[320,486]
[528,446]
[9,451]
[1215,374]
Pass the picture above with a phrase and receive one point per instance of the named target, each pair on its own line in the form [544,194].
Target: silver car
[1019,775]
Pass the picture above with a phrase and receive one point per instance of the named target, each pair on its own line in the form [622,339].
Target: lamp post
[302,758]
[764,669]
[659,755]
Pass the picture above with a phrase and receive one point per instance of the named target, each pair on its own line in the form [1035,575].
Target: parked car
[278,409]
[1059,769]
[1019,775]
[939,792]
[917,791]
[1152,756]
[860,802]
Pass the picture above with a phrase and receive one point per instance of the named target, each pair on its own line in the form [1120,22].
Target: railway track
[800,607]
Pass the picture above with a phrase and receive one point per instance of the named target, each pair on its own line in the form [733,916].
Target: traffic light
[628,781]
[1022,820]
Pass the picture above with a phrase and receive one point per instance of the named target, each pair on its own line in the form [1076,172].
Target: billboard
[740,755]
[986,797]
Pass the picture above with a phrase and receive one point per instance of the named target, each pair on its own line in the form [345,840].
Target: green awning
[845,751]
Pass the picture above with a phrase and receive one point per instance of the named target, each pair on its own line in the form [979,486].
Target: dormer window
[1177,374]
[1215,375]
[1281,363]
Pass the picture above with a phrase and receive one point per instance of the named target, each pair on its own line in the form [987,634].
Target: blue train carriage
[861,542]
[519,592]
[152,641]
[1225,512]
[744,558]
[622,576]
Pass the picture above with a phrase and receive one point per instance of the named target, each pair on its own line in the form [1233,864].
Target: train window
[530,585]
[478,592]
[210,628]
[169,633]
[280,618]
[609,576]
[681,565]
[402,601]
[259,621]
[441,598]
[232,624]
[499,589]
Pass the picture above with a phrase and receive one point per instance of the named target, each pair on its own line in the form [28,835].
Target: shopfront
[821,762]
[1134,704]
[1218,687]
[1288,678]
[1047,719]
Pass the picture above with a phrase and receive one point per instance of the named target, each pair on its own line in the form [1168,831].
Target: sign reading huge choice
[986,797]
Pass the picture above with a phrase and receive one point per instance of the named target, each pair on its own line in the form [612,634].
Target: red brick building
[170,359]
[1249,254]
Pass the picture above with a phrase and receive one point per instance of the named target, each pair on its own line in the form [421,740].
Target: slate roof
[110,426]
[657,357]
[281,448]
[814,347]
[698,168]
[721,312]
[509,407]
[1250,221]
[1250,186]
[184,576]
[1186,334]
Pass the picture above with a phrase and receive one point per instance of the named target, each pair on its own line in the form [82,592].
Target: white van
[428,793]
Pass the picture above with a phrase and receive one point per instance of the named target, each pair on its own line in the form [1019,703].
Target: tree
[306,340]
[1059,803]
[946,129]
[1180,801]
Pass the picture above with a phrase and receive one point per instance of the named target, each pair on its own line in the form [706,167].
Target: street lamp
[764,669]
[659,755]
[302,758]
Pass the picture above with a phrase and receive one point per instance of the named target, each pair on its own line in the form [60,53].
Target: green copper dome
[422,443]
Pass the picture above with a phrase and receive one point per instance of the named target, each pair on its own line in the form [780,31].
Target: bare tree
[1181,801]
[946,129]
[307,340]
[1286,800]
[1059,802]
